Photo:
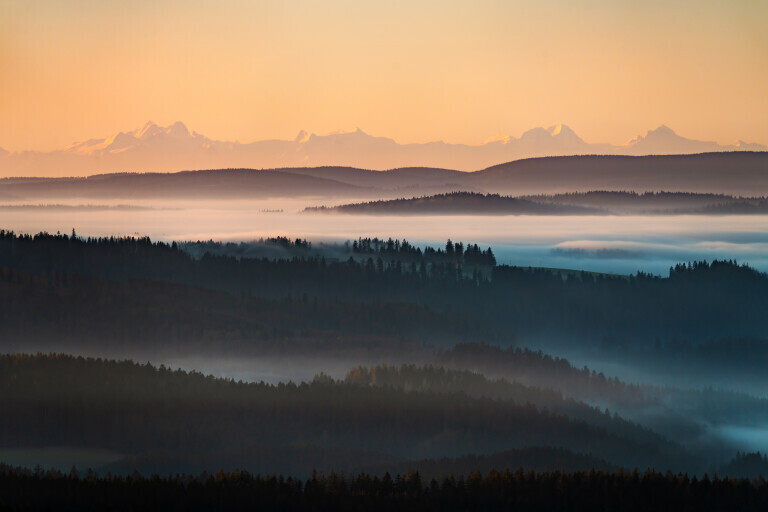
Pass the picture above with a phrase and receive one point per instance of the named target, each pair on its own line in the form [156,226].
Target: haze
[620,244]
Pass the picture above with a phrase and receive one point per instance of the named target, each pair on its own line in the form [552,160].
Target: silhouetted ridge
[738,173]
[457,203]
[741,173]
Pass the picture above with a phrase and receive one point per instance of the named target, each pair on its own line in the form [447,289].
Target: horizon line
[305,135]
[261,169]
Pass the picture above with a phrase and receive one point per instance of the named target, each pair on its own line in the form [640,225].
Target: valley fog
[605,243]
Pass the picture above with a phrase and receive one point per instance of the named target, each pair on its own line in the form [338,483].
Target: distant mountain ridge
[155,148]
[734,173]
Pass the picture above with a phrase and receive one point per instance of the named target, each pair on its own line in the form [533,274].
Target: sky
[416,71]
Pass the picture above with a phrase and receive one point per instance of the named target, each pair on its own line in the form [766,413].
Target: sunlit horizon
[303,135]
[459,72]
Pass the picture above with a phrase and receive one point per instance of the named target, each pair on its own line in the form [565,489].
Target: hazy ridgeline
[739,173]
[475,398]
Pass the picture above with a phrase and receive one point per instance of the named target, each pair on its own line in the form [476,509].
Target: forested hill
[599,202]
[170,421]
[436,379]
[386,301]
[698,302]
[458,203]
[658,202]
[394,303]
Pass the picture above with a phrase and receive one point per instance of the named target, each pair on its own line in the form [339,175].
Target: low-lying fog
[616,244]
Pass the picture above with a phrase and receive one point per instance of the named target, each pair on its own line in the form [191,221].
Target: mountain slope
[664,141]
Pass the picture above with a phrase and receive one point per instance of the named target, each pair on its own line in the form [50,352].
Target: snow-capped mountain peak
[169,148]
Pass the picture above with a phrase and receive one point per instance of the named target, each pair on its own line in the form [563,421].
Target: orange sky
[460,71]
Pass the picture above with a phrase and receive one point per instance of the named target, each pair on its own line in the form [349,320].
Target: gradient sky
[460,71]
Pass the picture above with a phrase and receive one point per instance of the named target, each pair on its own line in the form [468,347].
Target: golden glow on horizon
[418,71]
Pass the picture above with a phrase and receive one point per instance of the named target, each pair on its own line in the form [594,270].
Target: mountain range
[154,148]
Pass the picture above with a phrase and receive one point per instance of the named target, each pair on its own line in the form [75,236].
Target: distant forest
[136,289]
[600,202]
[458,203]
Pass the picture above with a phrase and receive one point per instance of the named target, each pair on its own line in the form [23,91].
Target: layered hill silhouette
[732,173]
[169,421]
[463,398]
[175,148]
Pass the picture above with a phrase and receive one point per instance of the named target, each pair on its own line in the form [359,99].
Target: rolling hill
[735,173]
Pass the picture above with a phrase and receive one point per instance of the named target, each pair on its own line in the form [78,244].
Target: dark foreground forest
[593,491]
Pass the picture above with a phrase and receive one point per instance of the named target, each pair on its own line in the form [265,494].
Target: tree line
[629,491]
[721,299]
